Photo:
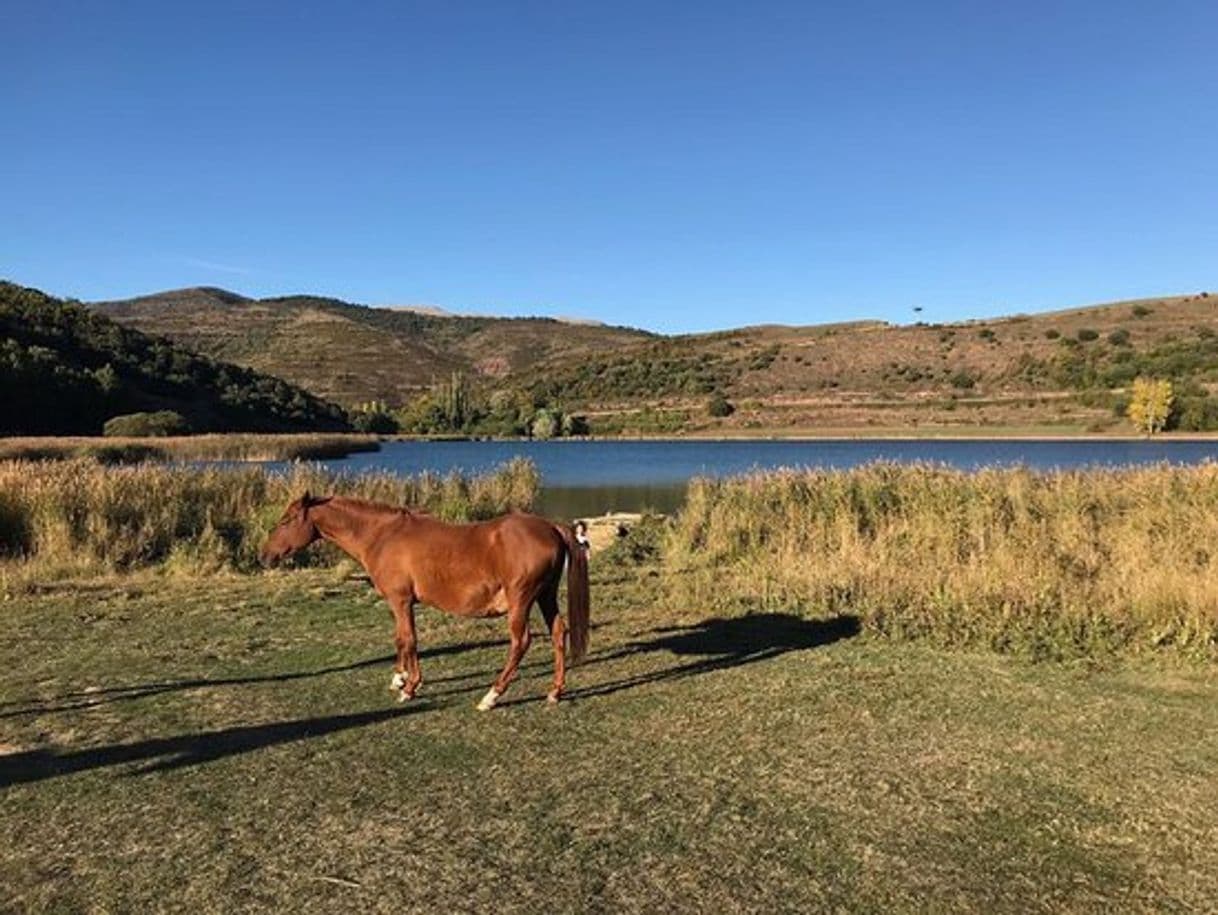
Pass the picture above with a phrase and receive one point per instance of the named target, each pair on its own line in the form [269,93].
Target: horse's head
[295,531]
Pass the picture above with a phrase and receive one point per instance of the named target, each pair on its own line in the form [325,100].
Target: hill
[1057,371]
[1064,368]
[67,369]
[355,353]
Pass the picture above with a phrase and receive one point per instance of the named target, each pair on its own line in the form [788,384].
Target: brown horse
[486,569]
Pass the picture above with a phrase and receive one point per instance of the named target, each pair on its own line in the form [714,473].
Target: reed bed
[78,516]
[228,447]
[1053,564]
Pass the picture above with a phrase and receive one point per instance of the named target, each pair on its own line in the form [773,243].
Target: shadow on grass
[165,753]
[718,644]
[86,699]
[714,644]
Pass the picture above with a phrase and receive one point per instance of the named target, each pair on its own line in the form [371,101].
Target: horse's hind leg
[518,630]
[548,602]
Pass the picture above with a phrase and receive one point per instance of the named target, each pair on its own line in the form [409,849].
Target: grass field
[230,744]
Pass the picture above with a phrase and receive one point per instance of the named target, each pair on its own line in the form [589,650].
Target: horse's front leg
[518,630]
[407,675]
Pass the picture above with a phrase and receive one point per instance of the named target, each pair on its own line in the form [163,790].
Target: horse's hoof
[490,700]
[404,696]
[553,696]
[398,681]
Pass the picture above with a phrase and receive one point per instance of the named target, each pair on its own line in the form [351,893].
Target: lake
[583,478]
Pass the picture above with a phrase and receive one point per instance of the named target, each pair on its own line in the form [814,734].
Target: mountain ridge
[1065,366]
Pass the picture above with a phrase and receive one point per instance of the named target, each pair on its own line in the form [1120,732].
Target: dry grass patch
[1055,564]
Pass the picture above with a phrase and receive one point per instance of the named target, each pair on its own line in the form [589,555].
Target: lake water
[582,478]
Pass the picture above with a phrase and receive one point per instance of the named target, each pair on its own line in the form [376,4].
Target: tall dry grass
[78,516]
[226,447]
[1054,564]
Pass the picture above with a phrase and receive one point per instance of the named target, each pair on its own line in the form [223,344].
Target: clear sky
[672,165]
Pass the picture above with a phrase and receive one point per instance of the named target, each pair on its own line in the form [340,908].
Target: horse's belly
[476,600]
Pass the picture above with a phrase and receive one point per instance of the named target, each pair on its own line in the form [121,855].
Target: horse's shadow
[90,698]
[711,645]
[717,644]
[161,753]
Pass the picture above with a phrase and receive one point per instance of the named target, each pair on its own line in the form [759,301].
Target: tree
[374,417]
[545,424]
[1150,404]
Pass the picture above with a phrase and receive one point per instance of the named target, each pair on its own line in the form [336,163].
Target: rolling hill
[355,353]
[66,369]
[1058,370]
[1064,368]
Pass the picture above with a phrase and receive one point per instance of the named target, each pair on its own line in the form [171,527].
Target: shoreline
[836,436]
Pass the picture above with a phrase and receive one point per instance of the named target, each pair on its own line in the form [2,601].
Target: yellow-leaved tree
[1150,404]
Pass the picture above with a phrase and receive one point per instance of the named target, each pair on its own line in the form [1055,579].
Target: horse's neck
[352,529]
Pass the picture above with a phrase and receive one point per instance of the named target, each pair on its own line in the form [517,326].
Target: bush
[1140,311]
[1119,337]
[719,406]
[963,380]
[1086,334]
[140,425]
[1195,414]
[1052,334]
[374,422]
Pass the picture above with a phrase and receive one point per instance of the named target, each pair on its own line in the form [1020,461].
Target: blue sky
[676,166]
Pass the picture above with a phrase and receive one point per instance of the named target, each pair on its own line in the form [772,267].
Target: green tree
[1150,404]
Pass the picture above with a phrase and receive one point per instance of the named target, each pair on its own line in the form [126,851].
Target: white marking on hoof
[398,681]
[553,696]
[404,696]
[490,700]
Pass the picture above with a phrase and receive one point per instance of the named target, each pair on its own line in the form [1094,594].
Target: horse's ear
[306,500]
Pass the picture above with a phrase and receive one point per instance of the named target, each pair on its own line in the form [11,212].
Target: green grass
[230,744]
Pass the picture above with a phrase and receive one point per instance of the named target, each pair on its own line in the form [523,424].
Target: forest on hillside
[65,369]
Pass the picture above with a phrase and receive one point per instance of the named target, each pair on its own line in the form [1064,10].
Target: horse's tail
[578,609]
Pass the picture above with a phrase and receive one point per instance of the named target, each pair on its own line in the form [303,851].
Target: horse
[485,569]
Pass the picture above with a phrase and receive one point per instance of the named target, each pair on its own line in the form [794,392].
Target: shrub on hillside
[719,406]
[141,425]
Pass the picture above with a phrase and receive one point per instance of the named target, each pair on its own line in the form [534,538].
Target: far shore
[256,447]
[1004,433]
